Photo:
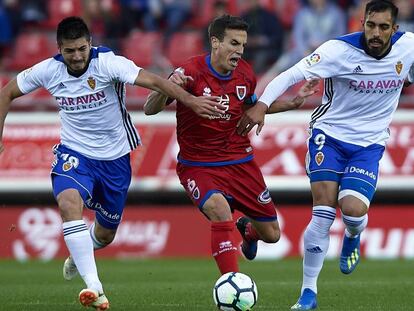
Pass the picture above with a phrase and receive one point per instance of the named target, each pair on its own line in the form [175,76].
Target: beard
[377,50]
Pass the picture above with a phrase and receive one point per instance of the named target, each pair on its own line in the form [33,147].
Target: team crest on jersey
[264,197]
[241,91]
[319,157]
[398,67]
[91,83]
[313,59]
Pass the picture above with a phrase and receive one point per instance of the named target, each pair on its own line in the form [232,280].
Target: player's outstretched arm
[307,89]
[255,115]
[9,92]
[156,101]
[204,106]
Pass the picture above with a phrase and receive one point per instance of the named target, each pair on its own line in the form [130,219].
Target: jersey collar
[214,72]
[357,39]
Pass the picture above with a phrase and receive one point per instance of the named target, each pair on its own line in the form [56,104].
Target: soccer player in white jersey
[363,74]
[92,162]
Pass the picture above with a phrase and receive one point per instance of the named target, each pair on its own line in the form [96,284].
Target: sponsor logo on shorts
[358,170]
[98,207]
[193,189]
[319,157]
[264,197]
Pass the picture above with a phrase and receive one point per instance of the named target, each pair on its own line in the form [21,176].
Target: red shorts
[241,184]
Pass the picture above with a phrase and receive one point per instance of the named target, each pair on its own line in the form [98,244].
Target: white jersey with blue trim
[361,93]
[94,119]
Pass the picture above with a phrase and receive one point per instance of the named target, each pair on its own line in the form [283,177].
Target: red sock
[251,233]
[223,246]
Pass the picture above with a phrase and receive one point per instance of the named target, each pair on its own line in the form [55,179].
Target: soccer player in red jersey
[215,163]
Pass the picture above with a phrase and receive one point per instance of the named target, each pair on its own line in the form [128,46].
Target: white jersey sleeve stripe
[323,108]
[133,138]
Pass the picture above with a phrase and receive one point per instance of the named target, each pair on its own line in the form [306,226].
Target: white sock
[96,243]
[354,225]
[316,244]
[79,244]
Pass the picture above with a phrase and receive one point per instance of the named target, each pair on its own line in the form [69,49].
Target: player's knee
[354,210]
[105,238]
[271,236]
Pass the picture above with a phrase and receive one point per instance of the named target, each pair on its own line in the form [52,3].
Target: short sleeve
[324,62]
[119,68]
[33,78]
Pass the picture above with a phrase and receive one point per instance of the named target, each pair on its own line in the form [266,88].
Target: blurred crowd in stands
[161,34]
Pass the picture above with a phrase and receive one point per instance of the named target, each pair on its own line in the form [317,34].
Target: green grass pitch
[186,284]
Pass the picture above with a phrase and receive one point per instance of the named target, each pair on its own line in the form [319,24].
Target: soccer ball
[235,291]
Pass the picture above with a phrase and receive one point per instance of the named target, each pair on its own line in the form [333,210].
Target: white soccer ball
[235,291]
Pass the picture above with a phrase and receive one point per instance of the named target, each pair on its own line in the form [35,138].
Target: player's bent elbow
[150,110]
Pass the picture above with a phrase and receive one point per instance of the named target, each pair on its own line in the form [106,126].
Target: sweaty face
[378,30]
[227,53]
[75,53]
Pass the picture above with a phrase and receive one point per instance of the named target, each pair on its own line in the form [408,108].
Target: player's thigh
[249,193]
[70,204]
[110,191]
[71,176]
[361,176]
[325,159]
[205,186]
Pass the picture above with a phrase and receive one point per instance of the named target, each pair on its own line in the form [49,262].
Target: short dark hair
[382,6]
[218,26]
[71,28]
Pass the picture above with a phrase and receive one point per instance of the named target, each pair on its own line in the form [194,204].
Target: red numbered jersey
[214,142]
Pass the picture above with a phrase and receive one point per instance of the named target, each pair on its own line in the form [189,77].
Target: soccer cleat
[88,296]
[69,269]
[91,298]
[350,254]
[306,301]
[101,303]
[249,248]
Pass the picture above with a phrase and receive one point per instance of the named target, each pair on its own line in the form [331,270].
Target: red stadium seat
[29,49]
[203,13]
[286,10]
[141,47]
[184,45]
[59,9]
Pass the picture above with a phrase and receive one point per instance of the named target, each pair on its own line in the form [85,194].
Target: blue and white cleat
[307,301]
[249,248]
[350,254]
